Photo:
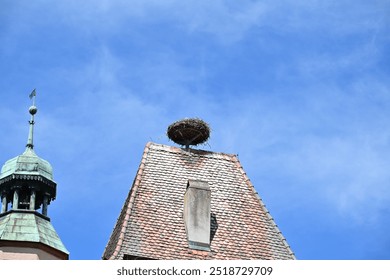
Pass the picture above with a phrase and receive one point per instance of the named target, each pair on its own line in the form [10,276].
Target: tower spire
[27,184]
[33,110]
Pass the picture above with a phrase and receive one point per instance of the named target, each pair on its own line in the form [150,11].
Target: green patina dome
[27,163]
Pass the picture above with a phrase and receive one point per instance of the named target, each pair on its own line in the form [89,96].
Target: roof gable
[151,222]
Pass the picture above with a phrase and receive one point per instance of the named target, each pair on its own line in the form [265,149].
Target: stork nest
[189,132]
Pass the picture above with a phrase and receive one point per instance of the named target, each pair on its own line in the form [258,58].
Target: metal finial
[33,110]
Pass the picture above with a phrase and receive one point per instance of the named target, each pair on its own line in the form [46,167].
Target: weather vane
[32,96]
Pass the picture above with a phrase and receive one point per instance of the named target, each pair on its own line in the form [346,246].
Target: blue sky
[300,90]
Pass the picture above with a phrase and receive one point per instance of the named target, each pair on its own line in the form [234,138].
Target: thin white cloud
[227,22]
[335,17]
[330,148]
[323,66]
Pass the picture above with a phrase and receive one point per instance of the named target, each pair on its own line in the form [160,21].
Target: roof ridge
[4,224]
[53,239]
[266,211]
[129,204]
[174,149]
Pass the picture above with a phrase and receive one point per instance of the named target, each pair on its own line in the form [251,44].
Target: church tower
[27,188]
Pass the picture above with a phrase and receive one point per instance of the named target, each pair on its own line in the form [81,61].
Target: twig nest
[189,132]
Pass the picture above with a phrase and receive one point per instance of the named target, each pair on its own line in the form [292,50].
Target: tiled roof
[29,226]
[151,223]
